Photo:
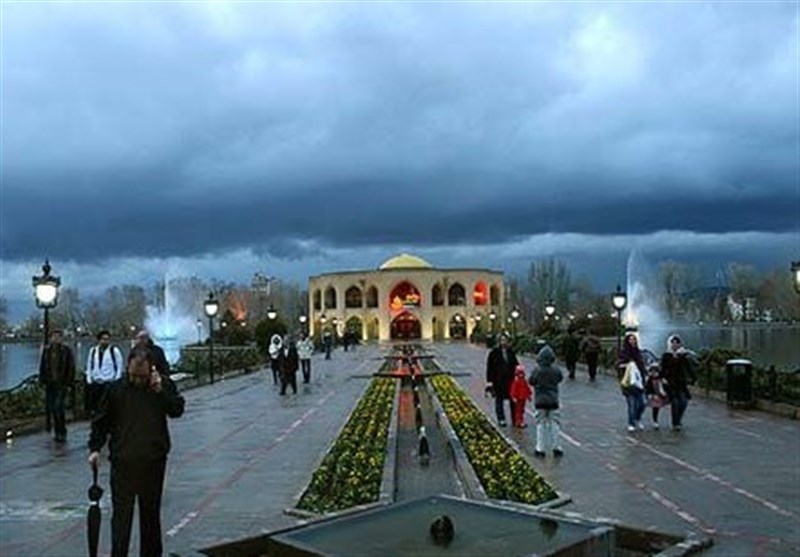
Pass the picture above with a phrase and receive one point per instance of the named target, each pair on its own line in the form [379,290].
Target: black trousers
[591,363]
[142,480]
[288,379]
[92,395]
[305,365]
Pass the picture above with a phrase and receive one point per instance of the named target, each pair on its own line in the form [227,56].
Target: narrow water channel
[413,478]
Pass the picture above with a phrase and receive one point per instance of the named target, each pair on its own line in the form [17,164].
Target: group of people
[286,357]
[657,385]
[506,381]
[660,384]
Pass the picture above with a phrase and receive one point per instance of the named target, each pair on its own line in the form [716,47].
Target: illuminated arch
[404,295]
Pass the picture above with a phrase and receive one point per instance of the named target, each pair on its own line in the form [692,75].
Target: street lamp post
[619,300]
[303,320]
[45,289]
[549,308]
[199,325]
[211,307]
[272,313]
[514,317]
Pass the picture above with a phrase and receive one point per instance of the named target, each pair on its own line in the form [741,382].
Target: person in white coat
[103,366]
[275,349]
[305,348]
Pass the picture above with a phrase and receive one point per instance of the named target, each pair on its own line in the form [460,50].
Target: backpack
[111,349]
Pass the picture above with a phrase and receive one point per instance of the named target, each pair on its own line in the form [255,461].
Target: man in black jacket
[133,416]
[144,343]
[500,366]
[57,376]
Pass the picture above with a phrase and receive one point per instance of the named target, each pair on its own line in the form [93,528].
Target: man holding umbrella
[133,417]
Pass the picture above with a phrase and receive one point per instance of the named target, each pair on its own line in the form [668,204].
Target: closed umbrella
[93,517]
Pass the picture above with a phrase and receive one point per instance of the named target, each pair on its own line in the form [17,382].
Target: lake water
[21,360]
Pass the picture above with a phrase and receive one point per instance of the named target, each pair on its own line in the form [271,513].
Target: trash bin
[739,383]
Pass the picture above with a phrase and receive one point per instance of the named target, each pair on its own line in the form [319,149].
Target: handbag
[627,377]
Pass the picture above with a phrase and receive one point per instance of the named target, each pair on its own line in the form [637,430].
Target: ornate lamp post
[619,300]
[45,289]
[492,319]
[549,308]
[199,325]
[272,313]
[514,317]
[211,307]
[303,320]
[796,274]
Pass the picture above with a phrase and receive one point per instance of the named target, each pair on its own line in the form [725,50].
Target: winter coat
[57,366]
[500,371]
[677,369]
[590,345]
[520,389]
[305,348]
[275,347]
[135,418]
[288,361]
[571,348]
[545,379]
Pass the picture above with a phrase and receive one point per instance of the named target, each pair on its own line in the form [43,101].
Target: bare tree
[547,280]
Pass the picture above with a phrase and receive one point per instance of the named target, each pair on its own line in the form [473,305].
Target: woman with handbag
[632,369]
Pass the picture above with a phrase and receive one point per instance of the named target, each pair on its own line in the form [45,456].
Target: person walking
[57,376]
[132,417]
[500,366]
[677,369]
[275,349]
[572,352]
[590,347]
[631,370]
[288,363]
[305,349]
[520,392]
[144,342]
[545,379]
[327,342]
[654,391]
[103,366]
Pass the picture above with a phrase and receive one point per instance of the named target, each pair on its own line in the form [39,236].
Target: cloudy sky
[219,139]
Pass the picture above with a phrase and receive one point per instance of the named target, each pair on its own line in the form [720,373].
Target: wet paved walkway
[730,474]
[241,454]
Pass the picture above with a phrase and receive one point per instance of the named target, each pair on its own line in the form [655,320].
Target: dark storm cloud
[185,129]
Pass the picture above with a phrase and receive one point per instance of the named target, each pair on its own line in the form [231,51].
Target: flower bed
[502,471]
[352,471]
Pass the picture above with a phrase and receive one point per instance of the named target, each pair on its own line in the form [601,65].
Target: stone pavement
[241,454]
[730,474]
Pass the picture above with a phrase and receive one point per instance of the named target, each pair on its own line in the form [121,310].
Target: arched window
[456,296]
[480,295]
[330,298]
[404,295]
[494,295]
[458,327]
[372,297]
[317,300]
[353,298]
[437,296]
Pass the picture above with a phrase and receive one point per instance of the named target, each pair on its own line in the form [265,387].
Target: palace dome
[405,261]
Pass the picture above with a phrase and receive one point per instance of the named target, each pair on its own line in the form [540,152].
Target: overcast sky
[221,139]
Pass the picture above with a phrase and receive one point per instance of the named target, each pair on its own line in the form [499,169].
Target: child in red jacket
[520,392]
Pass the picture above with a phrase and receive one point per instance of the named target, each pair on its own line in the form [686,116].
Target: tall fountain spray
[171,322]
[644,305]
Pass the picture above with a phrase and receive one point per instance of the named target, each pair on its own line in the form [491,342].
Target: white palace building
[405,298]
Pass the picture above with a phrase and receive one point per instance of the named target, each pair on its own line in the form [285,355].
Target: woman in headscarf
[632,371]
[275,350]
[677,371]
